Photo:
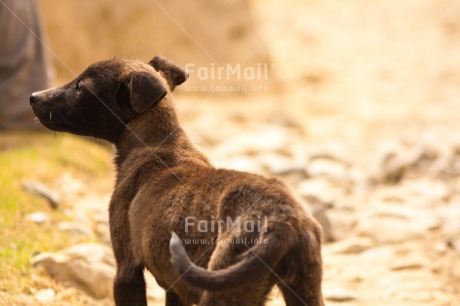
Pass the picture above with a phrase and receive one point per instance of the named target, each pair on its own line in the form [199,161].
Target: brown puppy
[244,233]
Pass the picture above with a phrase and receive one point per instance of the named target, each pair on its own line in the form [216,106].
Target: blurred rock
[425,219]
[100,225]
[454,243]
[450,217]
[318,191]
[43,191]
[38,217]
[75,228]
[327,167]
[333,151]
[340,295]
[322,196]
[262,139]
[320,214]
[343,223]
[103,232]
[406,265]
[68,184]
[431,191]
[418,192]
[277,164]
[447,167]
[377,253]
[385,229]
[45,296]
[396,160]
[352,245]
[88,267]
[285,119]
[391,163]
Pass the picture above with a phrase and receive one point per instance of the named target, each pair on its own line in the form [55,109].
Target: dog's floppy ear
[144,91]
[174,74]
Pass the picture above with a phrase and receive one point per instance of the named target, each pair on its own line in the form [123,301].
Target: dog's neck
[157,131]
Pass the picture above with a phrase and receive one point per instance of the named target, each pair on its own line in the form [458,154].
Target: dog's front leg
[129,287]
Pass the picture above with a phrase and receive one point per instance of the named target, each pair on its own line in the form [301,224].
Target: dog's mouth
[52,120]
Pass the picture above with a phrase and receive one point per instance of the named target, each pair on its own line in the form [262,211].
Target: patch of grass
[39,157]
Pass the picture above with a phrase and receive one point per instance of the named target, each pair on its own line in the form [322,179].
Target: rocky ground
[363,126]
[391,221]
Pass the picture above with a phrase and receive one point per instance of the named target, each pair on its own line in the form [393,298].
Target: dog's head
[106,96]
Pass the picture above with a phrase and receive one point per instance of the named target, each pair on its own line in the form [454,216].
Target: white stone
[38,217]
[45,296]
[89,267]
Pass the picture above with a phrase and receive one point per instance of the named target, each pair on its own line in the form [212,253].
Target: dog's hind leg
[172,299]
[300,272]
[254,294]
[300,295]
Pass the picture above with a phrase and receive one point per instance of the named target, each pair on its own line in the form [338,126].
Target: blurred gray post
[23,64]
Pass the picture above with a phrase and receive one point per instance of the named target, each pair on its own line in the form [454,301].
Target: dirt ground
[375,85]
[356,76]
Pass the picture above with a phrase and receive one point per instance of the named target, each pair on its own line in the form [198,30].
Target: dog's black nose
[33,98]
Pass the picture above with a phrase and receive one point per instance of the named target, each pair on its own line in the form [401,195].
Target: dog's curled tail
[255,262]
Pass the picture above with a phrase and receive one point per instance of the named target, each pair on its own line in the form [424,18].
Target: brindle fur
[162,178]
